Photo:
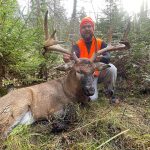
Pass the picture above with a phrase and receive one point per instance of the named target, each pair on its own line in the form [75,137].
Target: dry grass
[99,127]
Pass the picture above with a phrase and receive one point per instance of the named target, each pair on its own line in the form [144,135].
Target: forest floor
[100,126]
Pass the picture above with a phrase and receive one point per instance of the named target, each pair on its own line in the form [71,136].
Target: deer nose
[89,91]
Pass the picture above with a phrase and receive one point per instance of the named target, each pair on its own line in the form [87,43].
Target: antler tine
[53,34]
[124,39]
[58,48]
[122,46]
[110,35]
[46,26]
[126,31]
[109,45]
[50,43]
[74,56]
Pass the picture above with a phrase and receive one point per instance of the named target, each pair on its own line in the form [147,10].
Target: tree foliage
[18,55]
[21,37]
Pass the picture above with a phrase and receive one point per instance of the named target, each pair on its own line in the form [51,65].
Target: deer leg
[58,122]
[63,118]
[21,115]
[108,77]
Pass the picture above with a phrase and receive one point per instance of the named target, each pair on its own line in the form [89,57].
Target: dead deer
[42,101]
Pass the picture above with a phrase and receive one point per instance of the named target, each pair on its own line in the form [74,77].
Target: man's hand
[66,58]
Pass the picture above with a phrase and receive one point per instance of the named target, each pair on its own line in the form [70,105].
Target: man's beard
[87,39]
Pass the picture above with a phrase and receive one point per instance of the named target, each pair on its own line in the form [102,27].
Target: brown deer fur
[43,100]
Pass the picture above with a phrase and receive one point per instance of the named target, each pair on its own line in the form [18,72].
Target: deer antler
[123,44]
[110,35]
[46,26]
[126,32]
[101,51]
[124,39]
[51,44]
[109,45]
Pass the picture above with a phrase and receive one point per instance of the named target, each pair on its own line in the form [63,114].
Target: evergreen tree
[19,58]
[113,15]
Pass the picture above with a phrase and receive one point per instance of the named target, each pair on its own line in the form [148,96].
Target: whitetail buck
[27,105]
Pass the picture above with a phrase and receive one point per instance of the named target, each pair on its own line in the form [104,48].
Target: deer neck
[72,85]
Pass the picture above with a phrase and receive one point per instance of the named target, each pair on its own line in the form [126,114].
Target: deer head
[83,70]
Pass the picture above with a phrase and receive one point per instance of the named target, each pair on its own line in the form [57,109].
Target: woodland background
[23,63]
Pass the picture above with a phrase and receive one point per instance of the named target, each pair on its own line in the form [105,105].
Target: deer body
[38,102]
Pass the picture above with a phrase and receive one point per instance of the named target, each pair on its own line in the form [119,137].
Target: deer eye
[80,72]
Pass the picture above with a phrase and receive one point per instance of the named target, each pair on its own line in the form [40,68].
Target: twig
[112,138]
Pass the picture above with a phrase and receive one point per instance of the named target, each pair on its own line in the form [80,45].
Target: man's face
[87,31]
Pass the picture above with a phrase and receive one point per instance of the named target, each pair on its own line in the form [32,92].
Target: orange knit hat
[87,20]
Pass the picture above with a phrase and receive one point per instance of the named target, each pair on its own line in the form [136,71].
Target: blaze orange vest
[83,49]
[94,47]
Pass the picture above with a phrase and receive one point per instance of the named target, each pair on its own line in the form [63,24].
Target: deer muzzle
[87,85]
[88,90]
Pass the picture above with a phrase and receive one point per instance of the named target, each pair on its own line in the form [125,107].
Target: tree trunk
[73,20]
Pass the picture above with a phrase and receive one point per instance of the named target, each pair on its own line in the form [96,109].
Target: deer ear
[65,67]
[101,66]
